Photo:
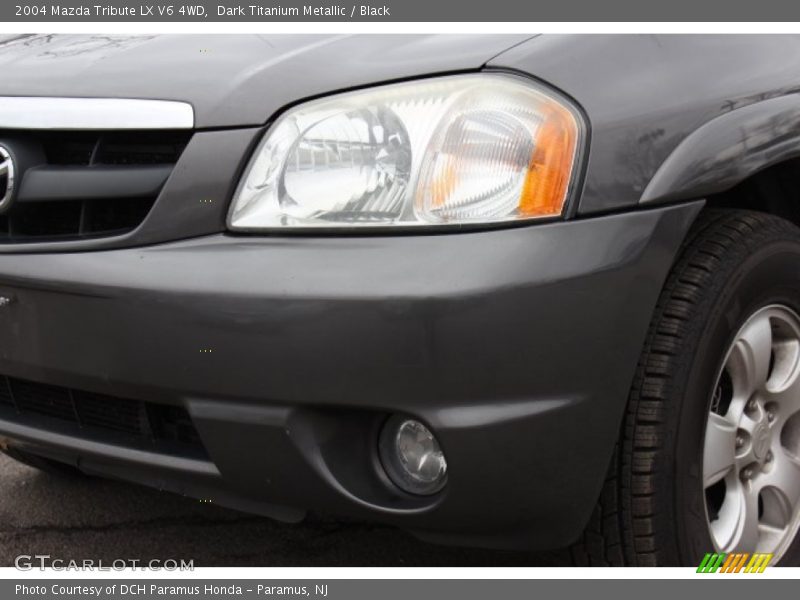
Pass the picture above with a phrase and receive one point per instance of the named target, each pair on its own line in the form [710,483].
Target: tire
[654,508]
[45,465]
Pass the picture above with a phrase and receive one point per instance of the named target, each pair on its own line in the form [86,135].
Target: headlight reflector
[453,150]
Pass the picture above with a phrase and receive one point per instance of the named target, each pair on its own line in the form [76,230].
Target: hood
[231,80]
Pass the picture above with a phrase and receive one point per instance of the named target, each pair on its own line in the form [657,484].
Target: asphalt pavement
[79,518]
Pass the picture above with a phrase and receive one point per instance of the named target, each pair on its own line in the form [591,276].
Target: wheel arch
[728,150]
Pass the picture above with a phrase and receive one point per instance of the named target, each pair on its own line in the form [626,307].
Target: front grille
[111,148]
[83,184]
[135,423]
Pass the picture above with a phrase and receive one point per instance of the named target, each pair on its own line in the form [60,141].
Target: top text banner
[33,11]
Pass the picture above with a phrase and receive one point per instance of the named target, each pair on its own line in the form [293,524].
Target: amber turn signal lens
[547,182]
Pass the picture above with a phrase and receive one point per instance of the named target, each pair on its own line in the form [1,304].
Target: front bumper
[516,346]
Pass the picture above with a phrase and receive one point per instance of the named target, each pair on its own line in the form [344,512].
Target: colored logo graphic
[739,562]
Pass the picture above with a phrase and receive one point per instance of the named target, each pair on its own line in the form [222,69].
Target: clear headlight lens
[453,150]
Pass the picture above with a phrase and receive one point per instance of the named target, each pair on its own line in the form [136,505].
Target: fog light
[412,457]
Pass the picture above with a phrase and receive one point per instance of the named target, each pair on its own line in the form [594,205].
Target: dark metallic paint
[645,94]
[728,149]
[499,340]
[231,80]
[517,346]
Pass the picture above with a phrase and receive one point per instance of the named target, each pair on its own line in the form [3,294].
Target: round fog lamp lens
[412,456]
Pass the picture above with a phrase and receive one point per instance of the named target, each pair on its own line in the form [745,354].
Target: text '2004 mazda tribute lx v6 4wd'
[505,291]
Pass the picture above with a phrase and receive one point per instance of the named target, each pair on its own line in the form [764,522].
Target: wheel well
[775,190]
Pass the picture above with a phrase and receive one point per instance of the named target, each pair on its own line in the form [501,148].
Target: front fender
[671,116]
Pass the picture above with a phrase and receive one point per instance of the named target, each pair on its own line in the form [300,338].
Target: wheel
[709,453]
[751,471]
[46,465]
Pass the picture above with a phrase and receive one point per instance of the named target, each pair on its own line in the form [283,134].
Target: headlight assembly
[463,149]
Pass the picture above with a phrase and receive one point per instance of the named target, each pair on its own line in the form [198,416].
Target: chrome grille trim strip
[50,113]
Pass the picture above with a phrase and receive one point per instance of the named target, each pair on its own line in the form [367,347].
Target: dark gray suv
[507,291]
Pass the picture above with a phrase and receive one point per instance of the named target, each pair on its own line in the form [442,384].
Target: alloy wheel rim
[751,450]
